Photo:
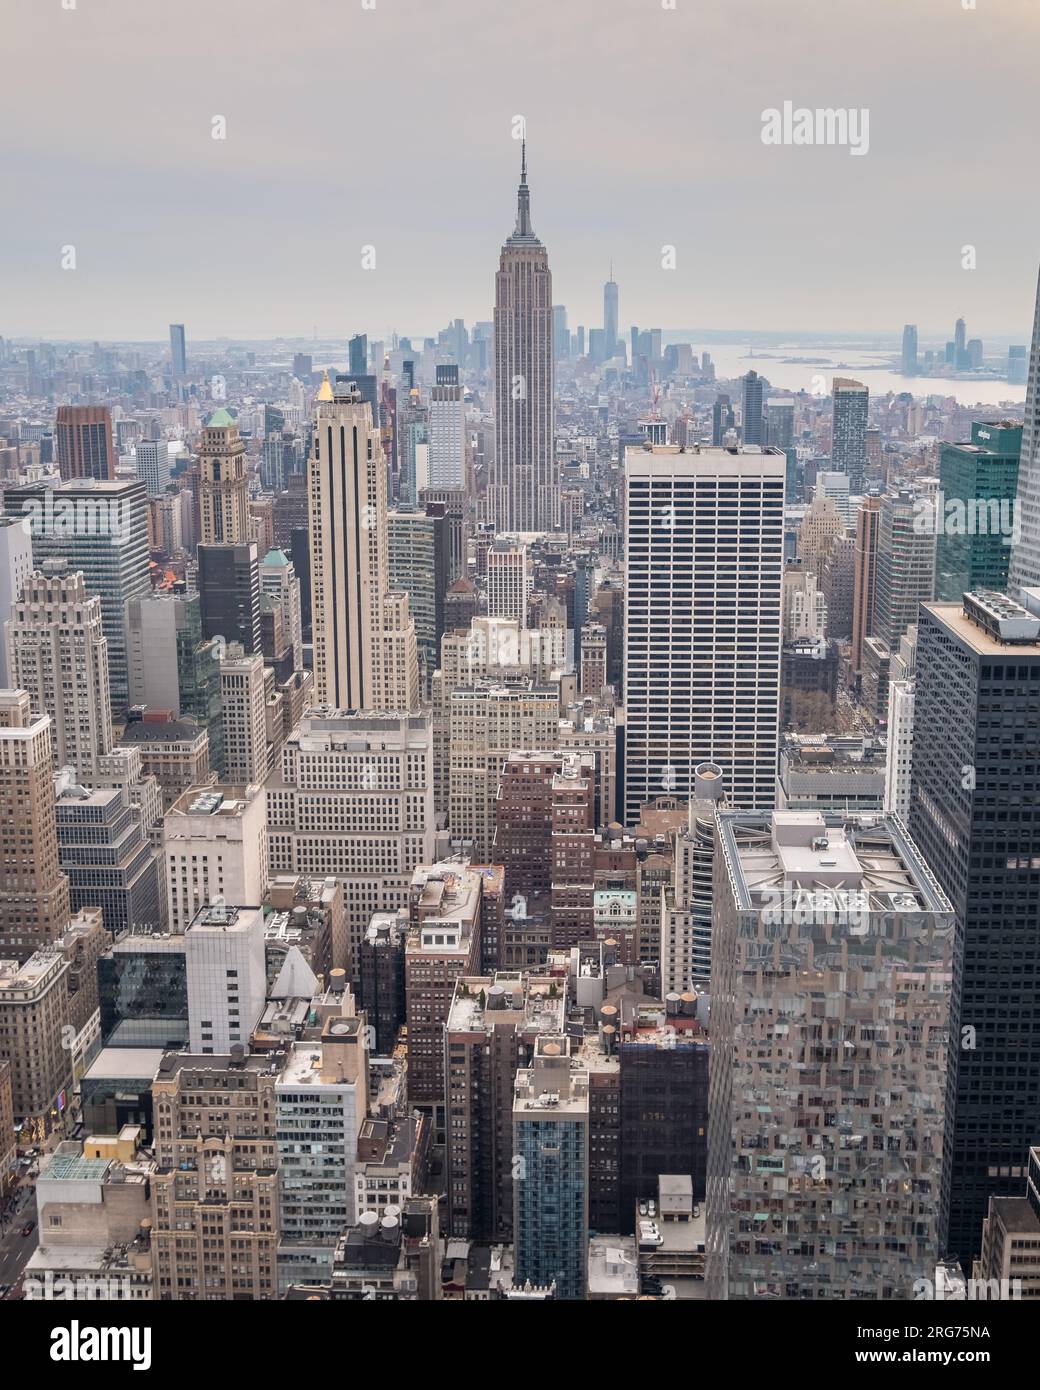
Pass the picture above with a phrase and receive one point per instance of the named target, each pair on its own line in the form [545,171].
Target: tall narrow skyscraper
[178,351]
[524,493]
[1025,557]
[910,350]
[752,420]
[223,488]
[849,430]
[364,637]
[610,317]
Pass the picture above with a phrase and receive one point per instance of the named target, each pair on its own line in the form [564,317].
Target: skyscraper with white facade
[703,546]
[446,430]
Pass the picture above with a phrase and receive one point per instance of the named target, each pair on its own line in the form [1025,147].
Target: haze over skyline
[349,128]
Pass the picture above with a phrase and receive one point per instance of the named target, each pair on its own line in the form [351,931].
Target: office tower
[171,666]
[143,992]
[446,431]
[551,1194]
[722,418]
[215,1192]
[909,360]
[226,975]
[417,563]
[704,539]
[57,651]
[561,334]
[279,580]
[899,747]
[34,1011]
[1017,365]
[352,799]
[364,638]
[34,893]
[663,1054]
[413,446]
[779,422]
[173,751]
[1009,1263]
[248,754]
[358,355]
[152,459]
[831,960]
[836,487]
[864,576]
[836,575]
[381,977]
[488,720]
[106,855]
[593,677]
[229,590]
[905,565]
[458,518]
[444,917]
[83,434]
[523,491]
[509,581]
[959,335]
[685,945]
[974,783]
[322,1104]
[223,488]
[16,565]
[100,528]
[490,1032]
[752,420]
[848,430]
[975,510]
[523,823]
[610,318]
[805,608]
[974,353]
[1025,557]
[214,844]
[178,352]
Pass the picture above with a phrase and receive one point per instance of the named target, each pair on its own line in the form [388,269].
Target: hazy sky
[391,127]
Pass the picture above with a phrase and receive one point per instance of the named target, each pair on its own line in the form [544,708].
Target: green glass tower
[978,481]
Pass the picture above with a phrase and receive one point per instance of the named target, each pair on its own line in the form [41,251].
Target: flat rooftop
[952,616]
[117,1063]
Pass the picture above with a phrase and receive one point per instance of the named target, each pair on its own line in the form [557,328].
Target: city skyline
[127,190]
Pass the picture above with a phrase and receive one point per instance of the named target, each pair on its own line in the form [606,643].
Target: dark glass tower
[229,587]
[975,814]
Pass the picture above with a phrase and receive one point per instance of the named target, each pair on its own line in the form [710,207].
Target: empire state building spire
[523,231]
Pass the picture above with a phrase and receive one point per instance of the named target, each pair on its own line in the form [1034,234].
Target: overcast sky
[391,127]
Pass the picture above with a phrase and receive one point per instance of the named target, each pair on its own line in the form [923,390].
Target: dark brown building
[83,437]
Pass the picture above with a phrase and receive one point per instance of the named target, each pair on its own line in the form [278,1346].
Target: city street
[15,1248]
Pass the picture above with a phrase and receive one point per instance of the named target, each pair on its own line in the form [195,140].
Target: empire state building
[524,492]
